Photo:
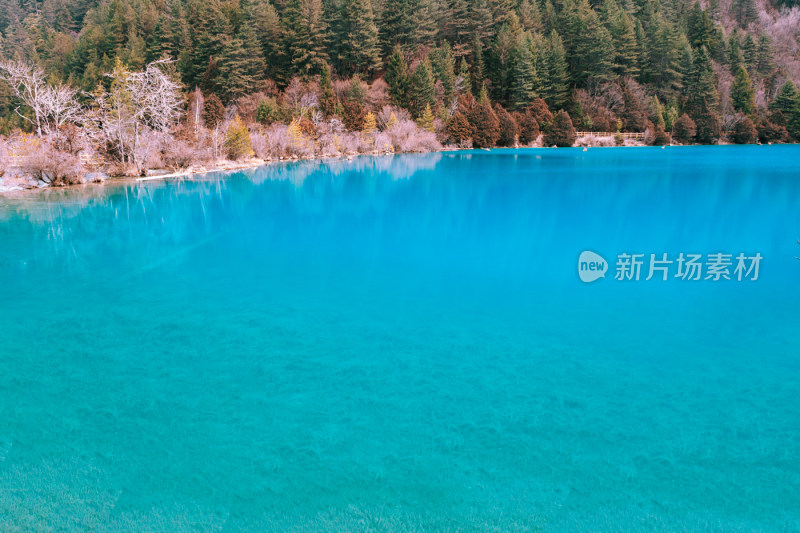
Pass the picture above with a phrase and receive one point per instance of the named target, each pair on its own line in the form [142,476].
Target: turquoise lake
[404,344]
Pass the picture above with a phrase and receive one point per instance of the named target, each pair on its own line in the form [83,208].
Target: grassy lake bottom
[404,344]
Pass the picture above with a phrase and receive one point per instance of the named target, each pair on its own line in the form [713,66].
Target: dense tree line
[611,65]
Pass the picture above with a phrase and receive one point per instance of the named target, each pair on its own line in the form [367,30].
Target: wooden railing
[91,160]
[624,135]
[87,160]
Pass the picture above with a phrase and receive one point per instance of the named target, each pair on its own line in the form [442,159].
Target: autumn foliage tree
[425,121]
[744,132]
[660,137]
[213,111]
[684,129]
[709,127]
[237,140]
[600,60]
[540,113]
[508,127]
[353,114]
[484,122]
[633,116]
[458,128]
[769,132]
[528,127]
[562,132]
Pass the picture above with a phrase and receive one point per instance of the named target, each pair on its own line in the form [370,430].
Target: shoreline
[227,166]
[222,166]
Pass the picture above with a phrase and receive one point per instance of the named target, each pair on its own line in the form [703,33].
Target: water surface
[403,344]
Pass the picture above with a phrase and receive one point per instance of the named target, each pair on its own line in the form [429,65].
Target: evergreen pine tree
[457,27]
[735,57]
[529,15]
[328,103]
[743,95]
[685,66]
[700,28]
[664,54]
[423,23]
[502,11]
[482,22]
[241,66]
[623,34]
[745,11]
[396,26]
[498,60]
[478,66]
[718,45]
[523,74]
[356,47]
[556,86]
[161,43]
[765,55]
[787,105]
[702,89]
[264,19]
[642,51]
[443,64]
[657,113]
[398,78]
[463,80]
[265,113]
[549,18]
[422,88]
[590,50]
[212,32]
[303,33]
[750,53]
[182,38]
[210,80]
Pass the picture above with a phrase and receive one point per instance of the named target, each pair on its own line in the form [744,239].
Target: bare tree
[194,115]
[29,86]
[51,105]
[138,104]
[61,105]
[156,98]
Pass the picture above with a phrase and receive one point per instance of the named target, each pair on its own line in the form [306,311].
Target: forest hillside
[303,74]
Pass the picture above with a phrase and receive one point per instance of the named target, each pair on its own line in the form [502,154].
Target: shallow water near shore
[404,344]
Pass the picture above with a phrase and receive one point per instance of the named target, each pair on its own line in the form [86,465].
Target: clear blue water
[403,344]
